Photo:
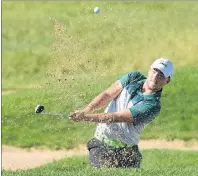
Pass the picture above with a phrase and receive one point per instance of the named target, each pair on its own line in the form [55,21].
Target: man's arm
[143,112]
[114,117]
[104,97]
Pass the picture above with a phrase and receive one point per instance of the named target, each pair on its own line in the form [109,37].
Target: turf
[21,127]
[155,162]
[61,55]
[65,38]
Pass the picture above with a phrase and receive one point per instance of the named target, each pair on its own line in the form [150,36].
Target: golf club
[40,108]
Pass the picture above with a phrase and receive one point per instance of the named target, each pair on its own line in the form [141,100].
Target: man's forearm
[98,102]
[105,97]
[114,117]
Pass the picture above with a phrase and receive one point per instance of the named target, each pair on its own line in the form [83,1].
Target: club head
[39,108]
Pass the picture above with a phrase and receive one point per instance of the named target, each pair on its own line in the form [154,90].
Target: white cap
[164,65]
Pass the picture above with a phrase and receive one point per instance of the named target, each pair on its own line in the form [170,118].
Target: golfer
[134,101]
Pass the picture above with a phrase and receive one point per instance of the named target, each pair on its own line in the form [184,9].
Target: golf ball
[96,10]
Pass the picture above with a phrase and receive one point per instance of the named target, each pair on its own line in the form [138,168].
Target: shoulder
[131,76]
[136,74]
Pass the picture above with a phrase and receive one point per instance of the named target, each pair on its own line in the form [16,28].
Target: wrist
[87,109]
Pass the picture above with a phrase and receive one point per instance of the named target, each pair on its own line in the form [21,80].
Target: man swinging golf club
[134,102]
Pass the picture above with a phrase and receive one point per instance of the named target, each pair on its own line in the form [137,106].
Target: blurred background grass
[62,55]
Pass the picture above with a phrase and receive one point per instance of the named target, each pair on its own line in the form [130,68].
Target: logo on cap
[163,64]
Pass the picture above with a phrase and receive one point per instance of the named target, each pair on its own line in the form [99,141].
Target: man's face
[156,79]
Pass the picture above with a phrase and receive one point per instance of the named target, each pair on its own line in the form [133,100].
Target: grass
[20,127]
[61,55]
[155,162]
[66,38]
[178,118]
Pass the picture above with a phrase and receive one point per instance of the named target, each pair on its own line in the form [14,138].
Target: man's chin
[153,86]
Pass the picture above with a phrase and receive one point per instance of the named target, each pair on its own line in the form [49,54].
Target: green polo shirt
[145,106]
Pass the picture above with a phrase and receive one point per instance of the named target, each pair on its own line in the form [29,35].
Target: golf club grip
[55,114]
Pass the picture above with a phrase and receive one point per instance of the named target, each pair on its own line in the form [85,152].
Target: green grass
[155,162]
[66,38]
[20,127]
[178,117]
[61,55]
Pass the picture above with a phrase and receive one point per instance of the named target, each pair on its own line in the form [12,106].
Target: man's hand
[112,117]
[77,115]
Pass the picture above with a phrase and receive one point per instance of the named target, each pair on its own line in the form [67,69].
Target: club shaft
[55,114]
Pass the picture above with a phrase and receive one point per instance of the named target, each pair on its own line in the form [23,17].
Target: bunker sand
[21,159]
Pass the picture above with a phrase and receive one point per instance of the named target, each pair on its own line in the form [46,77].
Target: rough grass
[21,127]
[66,38]
[61,55]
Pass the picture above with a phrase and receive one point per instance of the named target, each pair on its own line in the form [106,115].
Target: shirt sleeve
[144,112]
[128,77]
